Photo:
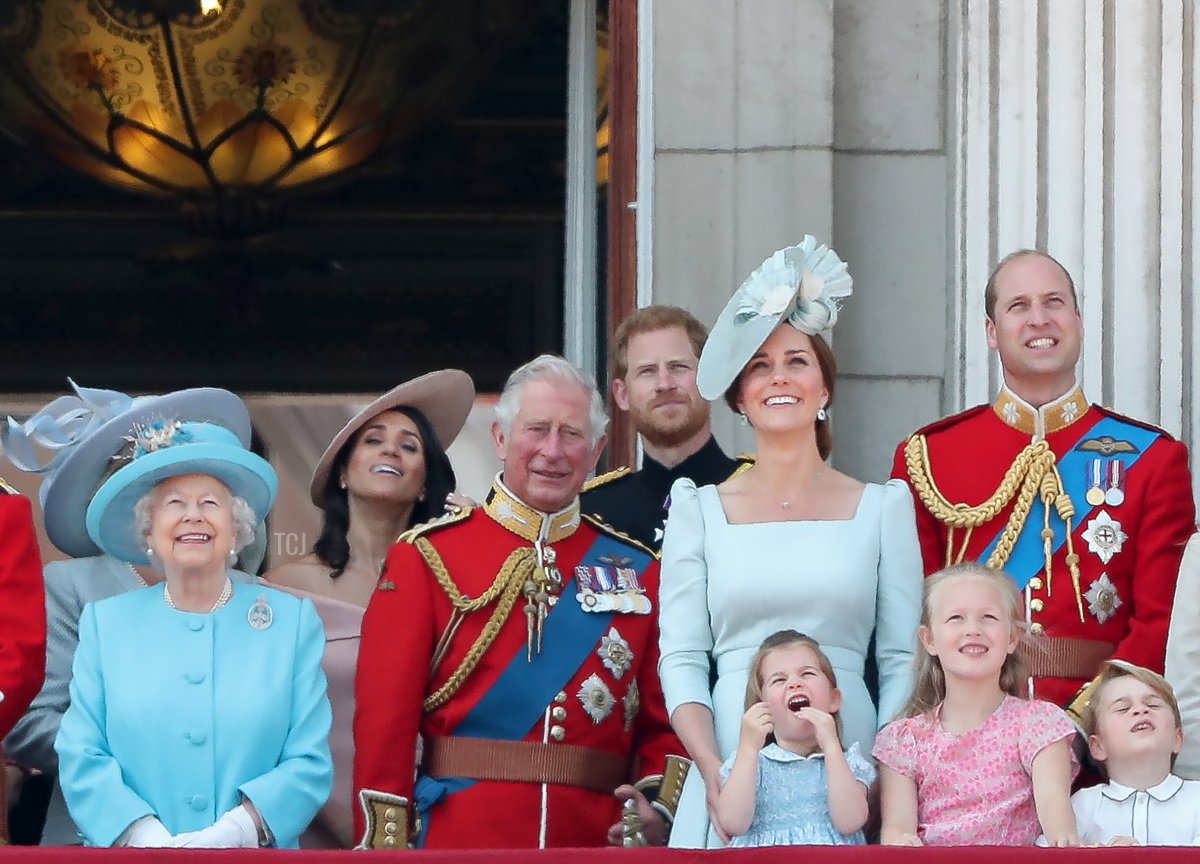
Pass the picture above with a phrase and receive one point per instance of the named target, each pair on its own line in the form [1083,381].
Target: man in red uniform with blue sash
[520,641]
[1086,509]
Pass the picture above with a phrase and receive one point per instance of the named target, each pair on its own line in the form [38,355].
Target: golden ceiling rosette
[234,105]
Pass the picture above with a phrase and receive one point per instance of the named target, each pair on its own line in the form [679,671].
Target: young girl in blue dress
[803,788]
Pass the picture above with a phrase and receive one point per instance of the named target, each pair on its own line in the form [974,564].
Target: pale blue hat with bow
[166,449]
[802,284]
[83,432]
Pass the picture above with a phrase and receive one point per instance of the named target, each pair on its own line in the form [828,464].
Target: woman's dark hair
[332,547]
[828,366]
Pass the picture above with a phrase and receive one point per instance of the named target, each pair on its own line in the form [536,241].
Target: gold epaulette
[745,463]
[607,477]
[448,518]
[604,528]
[5,489]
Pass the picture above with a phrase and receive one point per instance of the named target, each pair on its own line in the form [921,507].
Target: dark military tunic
[635,502]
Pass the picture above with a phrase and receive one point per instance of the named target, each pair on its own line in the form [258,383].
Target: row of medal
[1106,482]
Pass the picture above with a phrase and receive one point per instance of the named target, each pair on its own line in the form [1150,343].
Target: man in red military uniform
[1089,511]
[520,640]
[22,609]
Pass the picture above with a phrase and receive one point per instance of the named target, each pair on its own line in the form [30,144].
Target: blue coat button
[195,677]
[197,737]
[196,624]
[198,802]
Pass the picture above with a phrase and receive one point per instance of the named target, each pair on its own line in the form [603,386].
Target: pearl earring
[342,485]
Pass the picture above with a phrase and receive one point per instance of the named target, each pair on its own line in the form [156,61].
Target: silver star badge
[615,653]
[1104,536]
[1102,598]
[598,701]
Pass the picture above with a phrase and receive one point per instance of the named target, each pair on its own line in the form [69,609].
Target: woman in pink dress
[383,473]
[973,763]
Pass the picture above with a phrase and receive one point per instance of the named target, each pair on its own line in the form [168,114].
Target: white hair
[555,367]
[244,519]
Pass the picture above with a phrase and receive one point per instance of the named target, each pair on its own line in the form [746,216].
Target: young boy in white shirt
[1134,733]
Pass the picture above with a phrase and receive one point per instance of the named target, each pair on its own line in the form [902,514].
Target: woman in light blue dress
[790,543]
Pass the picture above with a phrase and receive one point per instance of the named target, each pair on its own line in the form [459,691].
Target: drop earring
[821,415]
[743,419]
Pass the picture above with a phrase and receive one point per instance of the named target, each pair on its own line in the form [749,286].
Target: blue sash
[517,700]
[1028,556]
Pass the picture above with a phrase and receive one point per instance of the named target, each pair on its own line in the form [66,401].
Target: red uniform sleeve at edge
[22,611]
[1168,520]
[653,738]
[390,683]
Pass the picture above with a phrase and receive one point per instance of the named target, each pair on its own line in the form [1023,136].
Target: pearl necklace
[226,593]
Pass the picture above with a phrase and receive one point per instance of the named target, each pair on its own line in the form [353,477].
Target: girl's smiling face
[792,679]
[970,629]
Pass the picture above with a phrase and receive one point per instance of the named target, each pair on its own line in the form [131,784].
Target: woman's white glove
[147,832]
[234,830]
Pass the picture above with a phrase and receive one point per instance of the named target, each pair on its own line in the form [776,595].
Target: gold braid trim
[1022,480]
[507,585]
[1034,473]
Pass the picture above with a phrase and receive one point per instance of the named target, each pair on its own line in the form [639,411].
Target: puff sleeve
[896,747]
[898,603]
[1042,724]
[685,637]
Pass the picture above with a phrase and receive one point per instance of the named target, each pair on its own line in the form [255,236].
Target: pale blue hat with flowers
[166,449]
[802,284]
[71,442]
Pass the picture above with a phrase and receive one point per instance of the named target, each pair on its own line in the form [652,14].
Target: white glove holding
[147,832]
[234,830]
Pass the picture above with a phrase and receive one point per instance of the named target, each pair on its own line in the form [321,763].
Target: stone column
[1072,131]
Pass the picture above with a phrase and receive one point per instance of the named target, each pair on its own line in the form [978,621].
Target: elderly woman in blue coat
[198,712]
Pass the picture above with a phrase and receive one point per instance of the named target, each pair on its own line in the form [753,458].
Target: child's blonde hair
[1114,669]
[783,639]
[929,679]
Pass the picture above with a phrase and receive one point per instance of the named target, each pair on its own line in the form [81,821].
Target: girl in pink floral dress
[971,762]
